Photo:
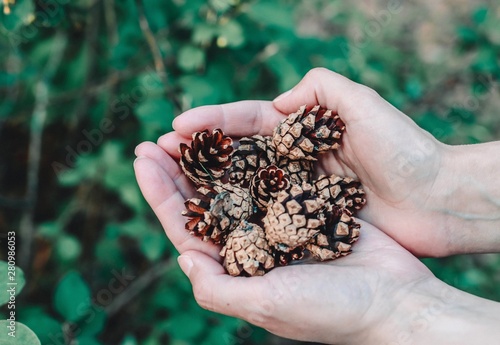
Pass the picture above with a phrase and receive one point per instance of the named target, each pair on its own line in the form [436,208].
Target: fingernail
[282,96]
[186,264]
[139,157]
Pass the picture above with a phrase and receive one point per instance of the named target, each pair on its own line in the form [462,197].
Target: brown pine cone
[253,153]
[300,171]
[336,236]
[246,251]
[293,218]
[307,132]
[218,211]
[283,259]
[266,183]
[208,158]
[344,192]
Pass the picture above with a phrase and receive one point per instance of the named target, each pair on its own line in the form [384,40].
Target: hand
[349,300]
[379,294]
[397,162]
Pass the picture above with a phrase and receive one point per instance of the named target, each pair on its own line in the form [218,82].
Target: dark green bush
[83,82]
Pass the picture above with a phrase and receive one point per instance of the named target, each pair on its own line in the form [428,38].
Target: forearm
[439,314]
[469,198]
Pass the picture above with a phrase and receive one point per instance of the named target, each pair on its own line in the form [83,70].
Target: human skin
[432,198]
[380,294]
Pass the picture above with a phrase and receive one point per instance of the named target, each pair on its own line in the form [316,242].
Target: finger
[170,143]
[237,119]
[163,159]
[352,101]
[167,202]
[215,290]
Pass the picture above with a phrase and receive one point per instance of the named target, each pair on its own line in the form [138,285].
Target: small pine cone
[344,192]
[253,153]
[293,218]
[307,132]
[300,171]
[218,212]
[247,252]
[283,259]
[336,237]
[266,183]
[208,158]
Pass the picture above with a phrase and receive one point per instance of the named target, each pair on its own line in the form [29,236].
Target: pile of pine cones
[260,200]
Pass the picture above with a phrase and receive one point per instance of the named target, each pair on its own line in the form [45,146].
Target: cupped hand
[352,300]
[398,163]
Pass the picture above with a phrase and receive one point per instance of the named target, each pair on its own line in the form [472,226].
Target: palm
[336,292]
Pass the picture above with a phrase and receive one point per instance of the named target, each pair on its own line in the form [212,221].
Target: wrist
[467,198]
[436,313]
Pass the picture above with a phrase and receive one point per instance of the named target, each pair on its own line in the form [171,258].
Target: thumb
[352,101]
[215,290]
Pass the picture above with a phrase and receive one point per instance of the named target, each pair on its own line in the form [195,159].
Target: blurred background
[83,82]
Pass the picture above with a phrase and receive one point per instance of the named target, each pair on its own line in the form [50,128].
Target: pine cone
[300,171]
[208,158]
[218,212]
[293,218]
[307,132]
[344,192]
[246,251]
[253,153]
[337,235]
[283,259]
[266,183]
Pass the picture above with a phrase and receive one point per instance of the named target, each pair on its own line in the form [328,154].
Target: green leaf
[129,340]
[191,58]
[156,113]
[413,88]
[86,340]
[45,327]
[204,33]
[153,245]
[12,278]
[22,13]
[94,323]
[231,34]
[72,297]
[17,334]
[271,13]
[68,248]
[186,326]
[479,16]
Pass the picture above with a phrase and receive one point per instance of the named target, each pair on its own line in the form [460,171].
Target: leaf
[68,248]
[86,340]
[190,58]
[94,323]
[23,335]
[156,113]
[129,340]
[153,245]
[72,297]
[186,326]
[479,16]
[413,88]
[231,34]
[45,327]
[10,276]
[272,14]
[22,13]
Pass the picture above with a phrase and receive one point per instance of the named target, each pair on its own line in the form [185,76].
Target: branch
[139,285]
[41,91]
[156,52]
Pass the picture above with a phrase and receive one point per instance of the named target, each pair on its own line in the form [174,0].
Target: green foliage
[117,73]
[15,276]
[23,335]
